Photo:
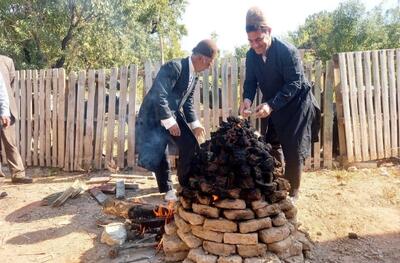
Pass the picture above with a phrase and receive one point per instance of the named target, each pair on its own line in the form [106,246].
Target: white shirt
[4,100]
[168,123]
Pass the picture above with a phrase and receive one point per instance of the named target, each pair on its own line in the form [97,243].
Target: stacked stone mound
[236,206]
[230,230]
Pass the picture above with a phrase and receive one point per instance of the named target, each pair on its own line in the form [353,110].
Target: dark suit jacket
[8,71]
[284,87]
[169,96]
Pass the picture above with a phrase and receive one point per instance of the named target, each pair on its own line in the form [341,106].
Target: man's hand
[245,108]
[263,110]
[174,130]
[200,134]
[5,121]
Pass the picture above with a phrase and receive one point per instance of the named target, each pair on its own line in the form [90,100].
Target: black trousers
[291,161]
[187,146]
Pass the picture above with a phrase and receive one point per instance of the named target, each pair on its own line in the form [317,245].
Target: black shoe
[21,180]
[3,194]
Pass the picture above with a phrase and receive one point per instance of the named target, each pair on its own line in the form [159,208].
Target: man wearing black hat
[290,111]
[167,113]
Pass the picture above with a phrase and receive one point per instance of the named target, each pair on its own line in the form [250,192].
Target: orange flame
[165,211]
[215,198]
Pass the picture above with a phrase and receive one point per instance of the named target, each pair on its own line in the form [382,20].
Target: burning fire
[165,211]
[215,198]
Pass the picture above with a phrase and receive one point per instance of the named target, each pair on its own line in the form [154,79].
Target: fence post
[327,132]
[133,75]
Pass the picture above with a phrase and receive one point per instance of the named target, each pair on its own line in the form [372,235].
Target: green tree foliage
[350,27]
[78,34]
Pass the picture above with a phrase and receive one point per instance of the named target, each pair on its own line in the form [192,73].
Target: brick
[274,234]
[254,225]
[170,228]
[280,246]
[181,224]
[206,210]
[279,220]
[241,239]
[248,251]
[200,232]
[268,210]
[258,204]
[230,259]
[219,249]
[192,218]
[172,243]
[175,256]
[220,225]
[189,239]
[197,255]
[242,214]
[231,204]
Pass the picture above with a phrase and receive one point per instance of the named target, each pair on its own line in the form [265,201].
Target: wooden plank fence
[86,120]
[369,94]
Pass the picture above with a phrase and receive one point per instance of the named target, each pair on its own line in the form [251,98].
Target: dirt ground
[332,205]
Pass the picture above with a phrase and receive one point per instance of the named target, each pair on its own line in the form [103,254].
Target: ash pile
[235,207]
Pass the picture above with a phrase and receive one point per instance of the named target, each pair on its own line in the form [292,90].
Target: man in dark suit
[290,111]
[7,134]
[167,113]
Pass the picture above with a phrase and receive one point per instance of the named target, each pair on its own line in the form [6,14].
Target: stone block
[268,210]
[283,184]
[170,228]
[231,204]
[185,202]
[206,210]
[200,232]
[197,255]
[220,225]
[296,248]
[301,237]
[280,246]
[189,239]
[219,249]
[279,220]
[254,225]
[291,213]
[278,196]
[248,251]
[241,239]
[230,259]
[203,199]
[175,256]
[181,224]
[172,243]
[286,204]
[295,259]
[274,234]
[258,204]
[269,258]
[239,214]
[188,261]
[192,218]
